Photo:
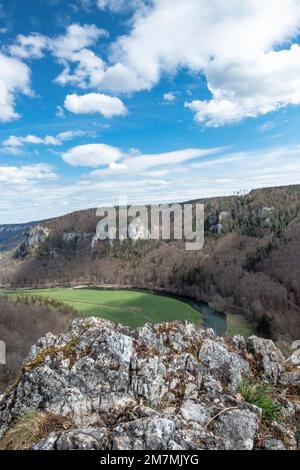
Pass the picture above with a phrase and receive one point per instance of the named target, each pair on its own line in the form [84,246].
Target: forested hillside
[22,323]
[249,264]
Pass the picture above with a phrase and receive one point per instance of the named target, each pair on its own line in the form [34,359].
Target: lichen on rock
[169,386]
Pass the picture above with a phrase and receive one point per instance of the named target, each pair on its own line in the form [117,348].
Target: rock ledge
[169,386]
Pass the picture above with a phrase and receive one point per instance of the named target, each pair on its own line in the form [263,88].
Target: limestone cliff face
[12,236]
[36,235]
[168,386]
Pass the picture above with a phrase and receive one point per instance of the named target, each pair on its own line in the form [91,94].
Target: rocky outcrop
[36,235]
[169,386]
[12,236]
[33,240]
[269,358]
[138,231]
[134,231]
[69,237]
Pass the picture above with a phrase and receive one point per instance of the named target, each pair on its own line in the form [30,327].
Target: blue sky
[155,100]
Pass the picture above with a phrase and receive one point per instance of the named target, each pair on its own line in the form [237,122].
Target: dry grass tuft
[30,428]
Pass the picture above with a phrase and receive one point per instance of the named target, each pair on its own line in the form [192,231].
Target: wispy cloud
[14,144]
[34,196]
[96,155]
[20,175]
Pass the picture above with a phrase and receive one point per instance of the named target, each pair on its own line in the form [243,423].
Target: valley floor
[130,308]
[238,325]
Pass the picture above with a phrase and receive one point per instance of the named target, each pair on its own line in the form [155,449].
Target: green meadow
[131,308]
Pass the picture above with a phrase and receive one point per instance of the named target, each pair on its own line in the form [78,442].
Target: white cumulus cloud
[247,50]
[119,6]
[14,79]
[81,66]
[91,103]
[92,155]
[76,38]
[241,46]
[169,97]
[251,88]
[32,46]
